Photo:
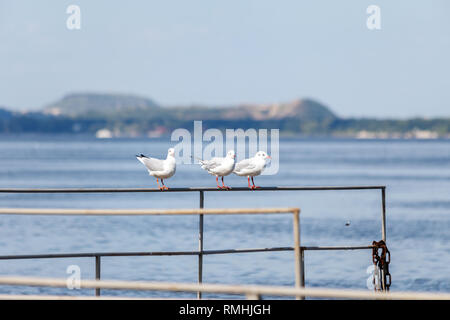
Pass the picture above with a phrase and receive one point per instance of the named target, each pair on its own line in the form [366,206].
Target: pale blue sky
[235,51]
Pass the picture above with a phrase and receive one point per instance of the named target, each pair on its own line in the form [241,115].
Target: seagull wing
[245,164]
[152,164]
[211,164]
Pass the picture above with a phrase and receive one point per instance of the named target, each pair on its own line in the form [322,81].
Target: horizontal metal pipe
[169,253]
[193,189]
[52,211]
[56,297]
[338,248]
[248,290]
[97,254]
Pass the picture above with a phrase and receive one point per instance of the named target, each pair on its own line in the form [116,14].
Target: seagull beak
[269,157]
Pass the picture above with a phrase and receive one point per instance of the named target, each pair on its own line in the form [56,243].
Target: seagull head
[262,155]
[171,152]
[231,154]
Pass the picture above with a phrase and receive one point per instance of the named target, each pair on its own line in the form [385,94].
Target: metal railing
[300,277]
[249,291]
[134,212]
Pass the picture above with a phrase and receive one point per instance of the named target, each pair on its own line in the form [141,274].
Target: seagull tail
[199,160]
[141,158]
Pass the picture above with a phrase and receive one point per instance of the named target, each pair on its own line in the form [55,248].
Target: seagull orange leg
[217,181]
[254,187]
[164,186]
[224,186]
[249,186]
[157,181]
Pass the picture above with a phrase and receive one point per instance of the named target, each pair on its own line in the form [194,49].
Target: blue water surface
[416,173]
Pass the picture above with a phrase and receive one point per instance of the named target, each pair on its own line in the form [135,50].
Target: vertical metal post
[97,273]
[298,253]
[253,296]
[382,271]
[382,282]
[200,244]
[383,214]
[302,267]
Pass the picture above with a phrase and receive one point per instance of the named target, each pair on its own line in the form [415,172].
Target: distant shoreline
[116,115]
[89,136]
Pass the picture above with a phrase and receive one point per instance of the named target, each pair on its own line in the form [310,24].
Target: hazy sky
[235,51]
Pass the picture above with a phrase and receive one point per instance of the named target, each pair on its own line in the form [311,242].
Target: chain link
[382,263]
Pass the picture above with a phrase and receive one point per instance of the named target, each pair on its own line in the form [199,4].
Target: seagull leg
[249,186]
[224,186]
[157,181]
[254,187]
[164,186]
[217,181]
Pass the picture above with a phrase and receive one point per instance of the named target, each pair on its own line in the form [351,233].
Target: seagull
[160,169]
[220,167]
[252,167]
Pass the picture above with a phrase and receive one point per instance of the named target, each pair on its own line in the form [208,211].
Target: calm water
[416,173]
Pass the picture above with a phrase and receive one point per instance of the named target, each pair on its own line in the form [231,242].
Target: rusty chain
[382,263]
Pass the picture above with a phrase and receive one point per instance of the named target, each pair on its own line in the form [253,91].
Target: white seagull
[252,167]
[160,169]
[220,167]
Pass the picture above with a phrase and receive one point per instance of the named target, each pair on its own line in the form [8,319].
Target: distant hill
[301,109]
[121,107]
[131,116]
[98,104]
